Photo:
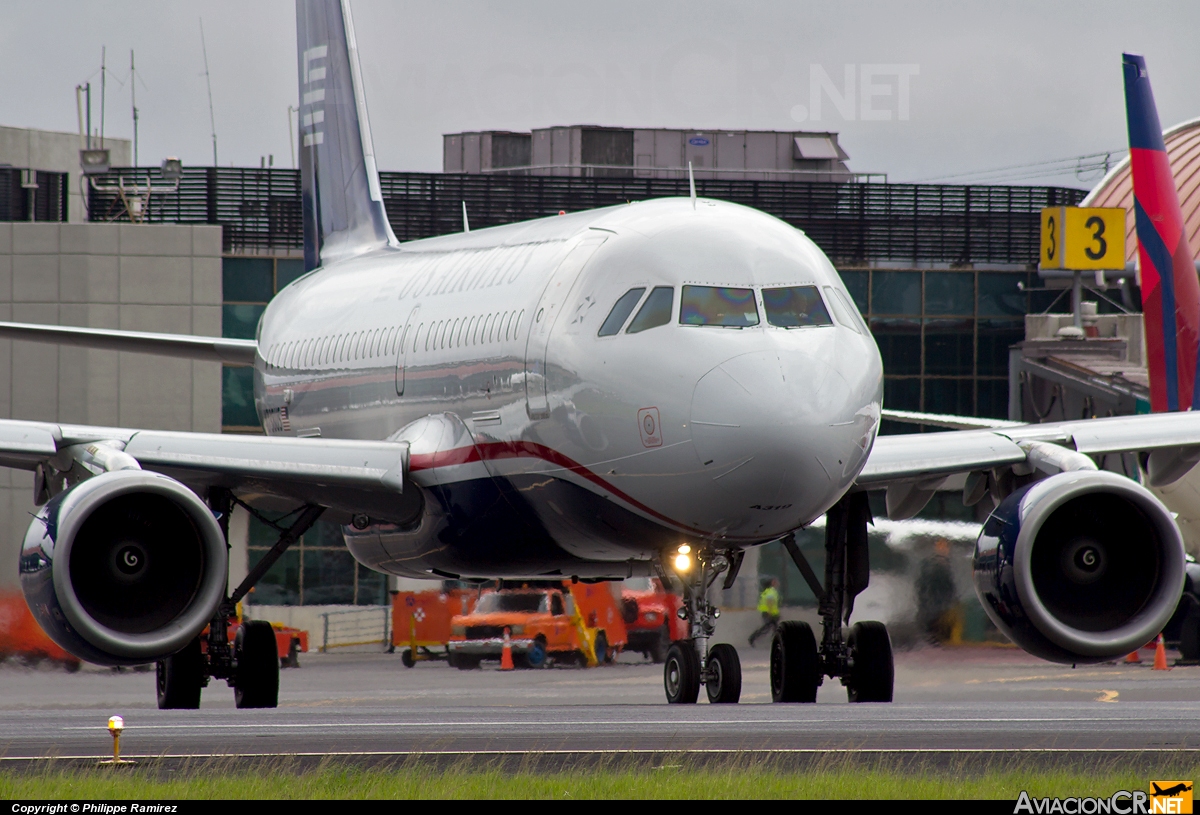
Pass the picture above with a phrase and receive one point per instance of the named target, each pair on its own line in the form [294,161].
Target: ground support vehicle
[289,642]
[550,622]
[651,614]
[421,622]
[22,638]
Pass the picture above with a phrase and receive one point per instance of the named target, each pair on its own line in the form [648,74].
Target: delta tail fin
[1170,289]
[342,201]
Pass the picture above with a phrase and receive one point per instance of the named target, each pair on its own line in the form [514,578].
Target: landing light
[682,562]
[684,549]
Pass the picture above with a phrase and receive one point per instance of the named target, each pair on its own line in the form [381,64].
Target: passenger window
[720,306]
[655,311]
[556,605]
[795,306]
[620,312]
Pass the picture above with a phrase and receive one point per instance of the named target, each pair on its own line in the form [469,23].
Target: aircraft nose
[760,425]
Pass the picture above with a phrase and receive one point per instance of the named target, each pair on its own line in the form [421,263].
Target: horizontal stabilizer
[181,346]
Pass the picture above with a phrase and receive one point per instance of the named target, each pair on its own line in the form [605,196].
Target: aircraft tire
[180,677]
[256,683]
[681,673]
[724,684]
[873,675]
[795,663]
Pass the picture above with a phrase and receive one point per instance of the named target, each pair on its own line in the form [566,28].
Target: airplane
[1171,791]
[642,389]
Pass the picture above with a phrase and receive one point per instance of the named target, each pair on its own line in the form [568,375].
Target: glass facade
[316,570]
[248,284]
[944,334]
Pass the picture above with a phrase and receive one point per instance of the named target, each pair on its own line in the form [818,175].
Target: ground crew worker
[768,606]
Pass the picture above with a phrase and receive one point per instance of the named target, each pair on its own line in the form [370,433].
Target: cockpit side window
[620,311]
[842,310]
[795,306]
[719,306]
[655,311]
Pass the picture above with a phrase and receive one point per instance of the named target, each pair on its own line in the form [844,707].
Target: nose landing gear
[861,658]
[691,663]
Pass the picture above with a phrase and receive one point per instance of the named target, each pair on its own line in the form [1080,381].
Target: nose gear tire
[681,673]
[256,682]
[724,684]
[180,678]
[795,664]
[872,677]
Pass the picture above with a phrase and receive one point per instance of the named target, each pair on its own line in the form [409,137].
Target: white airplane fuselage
[543,448]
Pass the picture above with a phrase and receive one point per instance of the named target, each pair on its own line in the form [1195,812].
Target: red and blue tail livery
[1170,289]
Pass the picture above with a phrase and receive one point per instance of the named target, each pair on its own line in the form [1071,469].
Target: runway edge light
[116,725]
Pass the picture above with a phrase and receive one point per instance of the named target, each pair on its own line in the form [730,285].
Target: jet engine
[1080,567]
[124,568]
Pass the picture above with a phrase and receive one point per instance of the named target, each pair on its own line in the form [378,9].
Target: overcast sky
[989,84]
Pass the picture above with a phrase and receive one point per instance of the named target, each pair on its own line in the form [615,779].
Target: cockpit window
[712,305]
[655,311]
[842,310]
[795,306]
[620,311]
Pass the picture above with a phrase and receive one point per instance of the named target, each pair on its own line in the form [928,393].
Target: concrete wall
[59,153]
[137,277]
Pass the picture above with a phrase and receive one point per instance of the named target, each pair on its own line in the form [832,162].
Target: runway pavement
[971,699]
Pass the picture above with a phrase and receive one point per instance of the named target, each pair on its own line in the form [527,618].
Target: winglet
[692,184]
[466,223]
[342,200]
[1170,289]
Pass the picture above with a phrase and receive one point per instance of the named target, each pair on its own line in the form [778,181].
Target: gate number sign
[1083,238]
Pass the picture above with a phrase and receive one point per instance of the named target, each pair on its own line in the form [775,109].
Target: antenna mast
[133,99]
[103,83]
[207,81]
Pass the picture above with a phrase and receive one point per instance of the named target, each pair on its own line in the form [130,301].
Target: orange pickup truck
[547,622]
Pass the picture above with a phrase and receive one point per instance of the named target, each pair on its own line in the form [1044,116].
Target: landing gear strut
[249,665]
[691,663]
[862,657]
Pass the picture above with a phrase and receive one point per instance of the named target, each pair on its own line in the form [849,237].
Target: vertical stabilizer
[342,202]
[1170,289]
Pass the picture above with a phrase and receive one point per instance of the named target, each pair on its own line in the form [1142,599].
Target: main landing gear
[691,663]
[250,664]
[861,657]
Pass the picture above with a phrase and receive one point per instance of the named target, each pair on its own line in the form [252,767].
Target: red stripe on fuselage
[493,451]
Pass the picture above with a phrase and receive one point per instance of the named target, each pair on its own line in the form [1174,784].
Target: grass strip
[733,778]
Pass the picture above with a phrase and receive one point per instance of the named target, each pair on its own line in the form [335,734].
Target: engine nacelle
[124,568]
[1082,567]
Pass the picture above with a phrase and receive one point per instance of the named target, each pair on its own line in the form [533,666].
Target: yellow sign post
[1083,239]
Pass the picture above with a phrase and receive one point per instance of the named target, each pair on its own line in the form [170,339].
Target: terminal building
[945,274]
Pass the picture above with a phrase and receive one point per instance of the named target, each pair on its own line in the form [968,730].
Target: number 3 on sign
[1083,238]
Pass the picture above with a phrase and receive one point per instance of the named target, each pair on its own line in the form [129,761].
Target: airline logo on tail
[1170,290]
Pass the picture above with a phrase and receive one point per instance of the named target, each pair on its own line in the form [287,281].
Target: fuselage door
[406,341]
[547,311]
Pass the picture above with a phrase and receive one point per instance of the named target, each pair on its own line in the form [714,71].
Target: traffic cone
[1134,658]
[1160,655]
[506,663]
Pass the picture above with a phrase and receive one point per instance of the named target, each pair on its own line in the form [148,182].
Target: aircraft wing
[348,476]
[186,346]
[921,462]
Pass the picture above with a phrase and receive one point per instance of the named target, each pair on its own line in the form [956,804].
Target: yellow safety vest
[768,601]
